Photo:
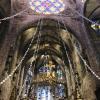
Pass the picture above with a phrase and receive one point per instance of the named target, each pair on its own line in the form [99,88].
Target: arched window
[47,6]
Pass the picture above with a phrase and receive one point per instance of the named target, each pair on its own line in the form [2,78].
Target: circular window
[47,6]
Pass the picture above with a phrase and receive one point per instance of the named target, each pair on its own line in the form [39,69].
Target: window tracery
[47,6]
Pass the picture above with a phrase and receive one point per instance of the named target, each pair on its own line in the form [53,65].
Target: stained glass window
[47,6]
[44,69]
[43,93]
[59,73]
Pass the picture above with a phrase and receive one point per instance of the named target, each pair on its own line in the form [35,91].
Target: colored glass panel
[59,73]
[43,93]
[47,6]
[60,91]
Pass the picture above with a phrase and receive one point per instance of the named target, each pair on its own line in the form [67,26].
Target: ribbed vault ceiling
[47,41]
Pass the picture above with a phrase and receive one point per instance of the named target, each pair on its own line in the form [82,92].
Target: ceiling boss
[47,7]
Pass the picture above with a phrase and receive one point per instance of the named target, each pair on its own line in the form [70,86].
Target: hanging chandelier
[47,7]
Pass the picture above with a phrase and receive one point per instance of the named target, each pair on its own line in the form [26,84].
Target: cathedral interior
[49,49]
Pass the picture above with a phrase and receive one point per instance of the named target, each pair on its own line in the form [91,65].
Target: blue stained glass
[47,6]
[60,91]
[44,69]
[41,70]
[96,27]
[59,73]
[43,93]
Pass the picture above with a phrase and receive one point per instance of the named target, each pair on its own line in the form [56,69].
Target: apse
[47,71]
